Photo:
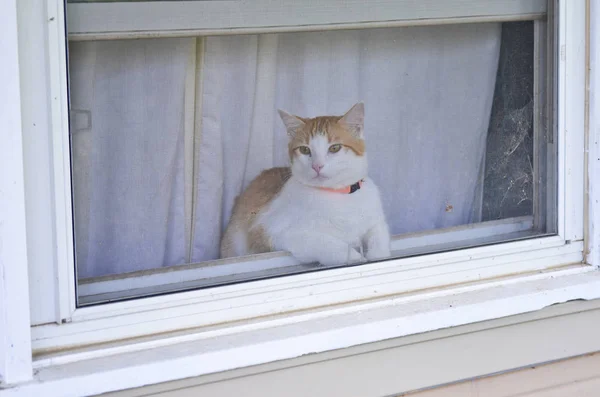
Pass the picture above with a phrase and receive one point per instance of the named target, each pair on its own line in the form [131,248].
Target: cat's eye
[304,150]
[335,148]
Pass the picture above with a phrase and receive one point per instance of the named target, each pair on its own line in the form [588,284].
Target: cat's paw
[377,254]
[351,257]
[355,257]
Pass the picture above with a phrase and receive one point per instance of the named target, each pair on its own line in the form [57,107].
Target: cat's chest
[310,208]
[341,210]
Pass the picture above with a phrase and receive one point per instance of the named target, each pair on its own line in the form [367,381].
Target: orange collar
[346,189]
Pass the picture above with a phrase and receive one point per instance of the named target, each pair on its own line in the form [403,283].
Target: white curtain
[427,90]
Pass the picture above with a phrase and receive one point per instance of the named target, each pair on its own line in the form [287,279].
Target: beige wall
[576,377]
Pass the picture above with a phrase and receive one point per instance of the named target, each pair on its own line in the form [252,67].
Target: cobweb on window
[508,183]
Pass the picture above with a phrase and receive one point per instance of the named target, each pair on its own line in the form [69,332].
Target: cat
[323,208]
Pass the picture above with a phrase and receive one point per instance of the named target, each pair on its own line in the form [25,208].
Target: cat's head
[327,151]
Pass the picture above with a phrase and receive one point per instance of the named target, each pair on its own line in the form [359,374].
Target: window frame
[570,229]
[152,282]
[347,288]
[15,334]
[90,21]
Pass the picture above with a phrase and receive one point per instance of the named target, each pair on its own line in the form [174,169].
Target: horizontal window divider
[297,29]
[334,275]
[525,247]
[92,21]
[228,271]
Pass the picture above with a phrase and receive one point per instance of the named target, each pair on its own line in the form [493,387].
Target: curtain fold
[128,163]
[428,93]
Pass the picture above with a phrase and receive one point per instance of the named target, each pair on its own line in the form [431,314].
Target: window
[167,132]
[525,98]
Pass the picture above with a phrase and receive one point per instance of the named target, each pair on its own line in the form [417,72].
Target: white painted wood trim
[61,160]
[571,117]
[363,324]
[15,337]
[36,133]
[175,338]
[152,19]
[256,299]
[593,178]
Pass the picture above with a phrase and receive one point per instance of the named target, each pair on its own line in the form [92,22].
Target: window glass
[434,141]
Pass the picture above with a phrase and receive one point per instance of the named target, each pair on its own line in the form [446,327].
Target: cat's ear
[292,123]
[354,119]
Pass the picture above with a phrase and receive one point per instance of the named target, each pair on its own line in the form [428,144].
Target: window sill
[263,266]
[179,356]
[317,295]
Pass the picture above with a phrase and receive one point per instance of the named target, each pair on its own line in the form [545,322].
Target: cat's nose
[317,167]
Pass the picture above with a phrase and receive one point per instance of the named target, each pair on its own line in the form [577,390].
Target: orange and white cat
[323,208]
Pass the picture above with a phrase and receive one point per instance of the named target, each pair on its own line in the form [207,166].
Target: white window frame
[15,336]
[396,297]
[217,17]
[234,270]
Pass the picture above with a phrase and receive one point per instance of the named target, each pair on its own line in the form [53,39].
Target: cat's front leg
[377,242]
[319,247]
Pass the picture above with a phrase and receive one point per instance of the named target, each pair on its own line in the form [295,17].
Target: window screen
[166,133]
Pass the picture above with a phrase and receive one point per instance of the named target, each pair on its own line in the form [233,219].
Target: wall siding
[576,377]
